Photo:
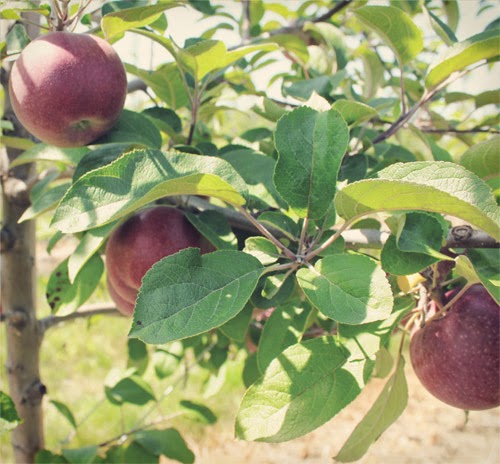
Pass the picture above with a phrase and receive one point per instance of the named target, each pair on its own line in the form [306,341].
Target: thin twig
[84,312]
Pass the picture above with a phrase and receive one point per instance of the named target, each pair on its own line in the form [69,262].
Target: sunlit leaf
[186,294]
[396,28]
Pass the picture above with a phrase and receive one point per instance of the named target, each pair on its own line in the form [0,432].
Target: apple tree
[333,213]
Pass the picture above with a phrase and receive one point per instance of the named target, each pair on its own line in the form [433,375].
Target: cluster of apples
[69,89]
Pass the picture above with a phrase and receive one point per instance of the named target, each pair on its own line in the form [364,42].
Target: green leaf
[398,262]
[138,356]
[83,455]
[101,156]
[422,233]
[373,70]
[256,170]
[88,245]
[311,146]
[211,55]
[284,328]
[440,28]
[482,46]
[482,158]
[65,411]
[132,389]
[354,113]
[348,288]
[132,127]
[166,442]
[304,387]
[138,178]
[165,81]
[435,186]
[116,23]
[165,363]
[9,419]
[485,263]
[17,38]
[395,27]
[47,199]
[199,412]
[186,294]
[62,293]
[215,227]
[42,152]
[262,249]
[44,456]
[237,327]
[385,410]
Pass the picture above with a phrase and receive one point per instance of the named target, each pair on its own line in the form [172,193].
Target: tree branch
[85,311]
[459,236]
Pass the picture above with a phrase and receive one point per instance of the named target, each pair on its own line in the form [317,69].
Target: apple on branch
[456,355]
[68,89]
[141,241]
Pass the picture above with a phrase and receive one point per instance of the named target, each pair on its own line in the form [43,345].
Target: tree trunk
[18,298]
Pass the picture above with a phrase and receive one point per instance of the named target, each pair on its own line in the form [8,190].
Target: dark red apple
[68,89]
[457,356]
[140,242]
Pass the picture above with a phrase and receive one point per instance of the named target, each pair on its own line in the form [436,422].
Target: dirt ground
[427,432]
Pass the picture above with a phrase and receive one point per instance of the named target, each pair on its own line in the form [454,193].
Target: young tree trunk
[18,298]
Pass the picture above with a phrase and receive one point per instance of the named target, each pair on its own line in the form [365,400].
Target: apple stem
[444,309]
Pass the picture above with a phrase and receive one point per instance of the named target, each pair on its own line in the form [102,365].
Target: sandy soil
[427,432]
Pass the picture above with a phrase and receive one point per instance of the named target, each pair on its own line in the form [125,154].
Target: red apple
[140,242]
[457,356]
[68,89]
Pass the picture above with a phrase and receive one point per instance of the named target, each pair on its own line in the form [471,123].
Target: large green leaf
[435,186]
[140,177]
[304,387]
[385,410]
[116,23]
[187,294]
[396,29]
[348,288]
[479,47]
[311,146]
